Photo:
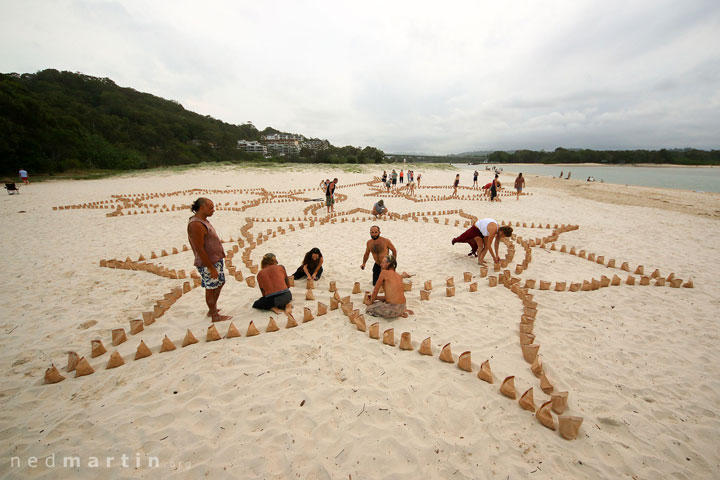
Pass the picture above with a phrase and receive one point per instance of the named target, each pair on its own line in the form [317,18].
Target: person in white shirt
[482,233]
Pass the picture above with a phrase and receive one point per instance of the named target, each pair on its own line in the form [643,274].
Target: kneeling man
[273,282]
[392,305]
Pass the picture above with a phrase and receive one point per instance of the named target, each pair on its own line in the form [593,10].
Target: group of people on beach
[274,282]
[391,181]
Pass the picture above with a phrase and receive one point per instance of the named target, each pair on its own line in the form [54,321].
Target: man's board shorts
[209,282]
[385,310]
[519,189]
[329,200]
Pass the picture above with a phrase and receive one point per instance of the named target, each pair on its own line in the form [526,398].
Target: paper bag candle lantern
[291,322]
[428,285]
[167,345]
[136,326]
[530,352]
[142,351]
[424,295]
[115,361]
[450,282]
[544,416]
[232,331]
[148,318]
[465,362]
[356,288]
[189,339]
[425,347]
[446,354]
[545,384]
[309,295]
[405,343]
[569,427]
[527,401]
[83,368]
[485,374]
[272,326]
[250,282]
[52,375]
[321,309]
[360,323]
[559,402]
[252,330]
[450,291]
[212,334]
[507,387]
[97,348]
[307,315]
[537,368]
[374,331]
[467,276]
[389,337]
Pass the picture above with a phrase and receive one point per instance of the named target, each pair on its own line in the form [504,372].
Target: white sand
[323,400]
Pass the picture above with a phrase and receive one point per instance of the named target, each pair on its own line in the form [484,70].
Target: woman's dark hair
[308,256]
[197,204]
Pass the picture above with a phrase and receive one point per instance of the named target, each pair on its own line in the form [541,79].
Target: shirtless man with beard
[379,247]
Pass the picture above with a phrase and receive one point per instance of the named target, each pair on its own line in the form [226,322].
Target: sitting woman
[311,266]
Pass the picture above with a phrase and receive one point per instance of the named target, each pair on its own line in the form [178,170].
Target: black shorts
[270,301]
[300,273]
[376,272]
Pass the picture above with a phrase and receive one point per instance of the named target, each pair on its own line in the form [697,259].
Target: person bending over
[379,209]
[273,282]
[392,304]
[482,234]
[311,265]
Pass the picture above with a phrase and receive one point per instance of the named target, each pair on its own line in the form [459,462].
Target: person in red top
[401,176]
[209,255]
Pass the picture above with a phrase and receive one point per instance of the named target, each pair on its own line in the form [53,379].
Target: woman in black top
[311,266]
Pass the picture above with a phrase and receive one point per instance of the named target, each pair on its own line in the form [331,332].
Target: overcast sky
[435,77]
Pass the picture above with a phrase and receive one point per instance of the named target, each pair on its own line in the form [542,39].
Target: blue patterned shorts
[209,282]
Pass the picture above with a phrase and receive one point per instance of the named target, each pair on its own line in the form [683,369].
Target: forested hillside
[55,121]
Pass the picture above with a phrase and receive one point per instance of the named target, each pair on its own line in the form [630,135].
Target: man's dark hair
[197,204]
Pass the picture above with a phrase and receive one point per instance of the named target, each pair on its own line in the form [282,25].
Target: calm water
[685,178]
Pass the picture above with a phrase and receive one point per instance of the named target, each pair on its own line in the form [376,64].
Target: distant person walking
[561,174]
[209,255]
[494,189]
[418,179]
[330,196]
[568,176]
[384,177]
[401,176]
[519,185]
[394,176]
[24,176]
[456,183]
[475,176]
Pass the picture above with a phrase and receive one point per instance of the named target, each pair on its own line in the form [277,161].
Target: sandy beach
[323,399]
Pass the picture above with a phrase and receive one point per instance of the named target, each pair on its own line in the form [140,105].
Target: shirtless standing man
[273,282]
[209,255]
[392,304]
[379,247]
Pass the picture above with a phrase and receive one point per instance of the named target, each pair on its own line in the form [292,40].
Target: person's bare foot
[406,313]
[276,310]
[220,318]
[210,314]
[406,275]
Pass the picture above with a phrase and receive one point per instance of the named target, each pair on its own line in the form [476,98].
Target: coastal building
[251,146]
